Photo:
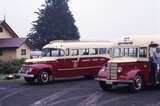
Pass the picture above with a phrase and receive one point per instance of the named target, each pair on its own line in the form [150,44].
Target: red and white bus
[62,59]
[131,63]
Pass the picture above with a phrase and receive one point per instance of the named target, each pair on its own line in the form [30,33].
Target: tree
[54,22]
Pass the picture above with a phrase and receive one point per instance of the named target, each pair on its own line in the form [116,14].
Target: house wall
[18,51]
[8,54]
[5,33]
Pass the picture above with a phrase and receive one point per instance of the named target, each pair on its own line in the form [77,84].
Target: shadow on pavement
[59,81]
[123,89]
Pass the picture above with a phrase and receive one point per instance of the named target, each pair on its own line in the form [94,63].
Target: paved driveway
[75,92]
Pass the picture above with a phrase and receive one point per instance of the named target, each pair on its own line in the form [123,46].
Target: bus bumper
[26,75]
[114,81]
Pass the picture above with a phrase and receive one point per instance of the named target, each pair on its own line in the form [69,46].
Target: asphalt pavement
[73,92]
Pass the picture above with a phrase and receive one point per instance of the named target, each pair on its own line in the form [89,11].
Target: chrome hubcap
[138,83]
[44,77]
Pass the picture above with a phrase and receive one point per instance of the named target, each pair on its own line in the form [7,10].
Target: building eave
[9,29]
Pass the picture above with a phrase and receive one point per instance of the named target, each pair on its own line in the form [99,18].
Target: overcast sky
[96,19]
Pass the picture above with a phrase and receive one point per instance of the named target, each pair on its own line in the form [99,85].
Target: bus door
[152,65]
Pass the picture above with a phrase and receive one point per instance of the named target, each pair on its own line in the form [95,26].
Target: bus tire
[43,77]
[138,84]
[104,86]
[30,80]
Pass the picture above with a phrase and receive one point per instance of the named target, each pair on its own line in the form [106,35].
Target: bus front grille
[113,71]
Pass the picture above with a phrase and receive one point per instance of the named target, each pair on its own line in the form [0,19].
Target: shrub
[10,67]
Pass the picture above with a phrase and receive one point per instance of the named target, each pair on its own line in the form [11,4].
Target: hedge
[11,67]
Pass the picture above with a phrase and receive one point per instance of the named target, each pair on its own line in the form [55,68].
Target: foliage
[55,22]
[10,67]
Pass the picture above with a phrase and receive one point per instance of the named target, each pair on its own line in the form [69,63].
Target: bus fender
[40,67]
[132,73]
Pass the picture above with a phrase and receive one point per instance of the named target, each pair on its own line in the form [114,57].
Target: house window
[1,52]
[23,51]
[1,30]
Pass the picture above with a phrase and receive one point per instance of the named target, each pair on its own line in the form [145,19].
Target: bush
[11,66]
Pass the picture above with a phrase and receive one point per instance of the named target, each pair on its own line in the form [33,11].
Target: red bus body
[67,65]
[129,64]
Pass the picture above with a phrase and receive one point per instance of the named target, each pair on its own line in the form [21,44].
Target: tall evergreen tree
[55,22]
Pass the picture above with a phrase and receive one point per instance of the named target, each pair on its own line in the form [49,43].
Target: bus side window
[84,51]
[67,52]
[61,53]
[142,52]
[74,52]
[54,52]
[126,51]
[102,50]
[133,52]
[93,51]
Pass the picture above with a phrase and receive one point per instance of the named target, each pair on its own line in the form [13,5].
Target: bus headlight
[119,69]
[29,70]
[103,68]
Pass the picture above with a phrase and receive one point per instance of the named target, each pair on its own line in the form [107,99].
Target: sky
[95,19]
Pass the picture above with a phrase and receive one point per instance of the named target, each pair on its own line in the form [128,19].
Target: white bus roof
[138,40]
[78,44]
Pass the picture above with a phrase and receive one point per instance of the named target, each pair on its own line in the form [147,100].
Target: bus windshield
[52,52]
[122,52]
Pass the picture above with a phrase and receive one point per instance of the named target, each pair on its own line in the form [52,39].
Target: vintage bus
[61,59]
[131,63]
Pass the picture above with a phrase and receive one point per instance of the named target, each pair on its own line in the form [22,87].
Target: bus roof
[78,44]
[138,40]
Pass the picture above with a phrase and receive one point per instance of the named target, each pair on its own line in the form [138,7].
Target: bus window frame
[106,51]
[51,51]
[146,55]
[86,50]
[72,52]
[127,47]
[67,50]
[96,51]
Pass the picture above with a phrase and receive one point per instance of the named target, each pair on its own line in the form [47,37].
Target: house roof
[12,42]
[8,28]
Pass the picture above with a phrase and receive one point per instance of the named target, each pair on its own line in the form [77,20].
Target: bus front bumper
[26,75]
[114,81]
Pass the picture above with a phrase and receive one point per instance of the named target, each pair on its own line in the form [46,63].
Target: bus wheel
[43,77]
[104,86]
[137,84]
[30,80]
